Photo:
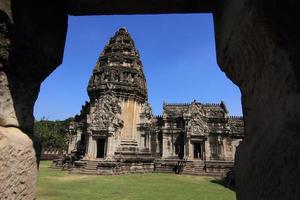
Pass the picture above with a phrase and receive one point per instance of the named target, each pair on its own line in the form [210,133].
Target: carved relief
[146,110]
[106,115]
[147,117]
[196,125]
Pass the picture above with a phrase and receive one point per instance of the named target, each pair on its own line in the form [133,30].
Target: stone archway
[257,47]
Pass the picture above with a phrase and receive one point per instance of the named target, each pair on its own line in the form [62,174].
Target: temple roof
[120,52]
[210,110]
[119,69]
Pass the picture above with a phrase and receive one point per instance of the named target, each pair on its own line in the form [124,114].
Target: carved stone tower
[118,92]
[117,132]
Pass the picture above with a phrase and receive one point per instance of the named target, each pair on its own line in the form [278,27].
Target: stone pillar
[157,143]
[171,139]
[31,47]
[89,152]
[191,150]
[110,147]
[142,141]
[203,150]
[258,47]
[148,140]
[186,146]
[207,149]
[222,147]
[166,147]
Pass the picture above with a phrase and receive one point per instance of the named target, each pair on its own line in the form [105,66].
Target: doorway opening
[197,150]
[101,147]
[179,146]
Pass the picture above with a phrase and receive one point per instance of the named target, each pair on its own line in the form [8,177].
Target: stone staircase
[195,167]
[90,168]
[165,165]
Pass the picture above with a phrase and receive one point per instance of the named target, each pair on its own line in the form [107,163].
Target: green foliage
[55,184]
[53,134]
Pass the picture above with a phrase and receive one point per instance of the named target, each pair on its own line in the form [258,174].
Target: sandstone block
[18,168]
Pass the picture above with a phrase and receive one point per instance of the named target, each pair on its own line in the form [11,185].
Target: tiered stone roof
[119,69]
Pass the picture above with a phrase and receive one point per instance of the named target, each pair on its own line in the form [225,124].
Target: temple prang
[116,131]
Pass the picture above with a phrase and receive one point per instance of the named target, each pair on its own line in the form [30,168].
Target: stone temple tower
[116,132]
[118,97]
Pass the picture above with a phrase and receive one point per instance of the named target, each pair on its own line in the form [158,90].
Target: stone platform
[98,167]
[217,168]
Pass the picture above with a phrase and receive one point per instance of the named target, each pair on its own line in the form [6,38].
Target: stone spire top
[120,51]
[119,69]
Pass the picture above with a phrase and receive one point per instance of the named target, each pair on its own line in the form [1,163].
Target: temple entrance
[101,144]
[197,150]
[179,146]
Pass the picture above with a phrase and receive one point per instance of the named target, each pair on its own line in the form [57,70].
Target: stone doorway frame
[257,44]
[104,147]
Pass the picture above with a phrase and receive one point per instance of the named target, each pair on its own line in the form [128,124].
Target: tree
[53,134]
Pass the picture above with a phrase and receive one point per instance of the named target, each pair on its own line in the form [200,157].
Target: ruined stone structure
[257,44]
[117,128]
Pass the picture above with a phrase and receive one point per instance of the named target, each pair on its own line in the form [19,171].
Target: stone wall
[130,115]
[257,47]
[31,46]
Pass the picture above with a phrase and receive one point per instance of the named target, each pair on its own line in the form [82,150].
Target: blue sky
[177,52]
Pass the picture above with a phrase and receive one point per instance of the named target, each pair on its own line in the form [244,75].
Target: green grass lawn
[56,184]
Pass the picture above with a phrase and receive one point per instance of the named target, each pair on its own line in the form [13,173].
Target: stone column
[186,146]
[227,148]
[94,148]
[89,151]
[31,47]
[148,140]
[110,147]
[191,149]
[157,143]
[203,150]
[166,148]
[207,149]
[258,47]
[171,139]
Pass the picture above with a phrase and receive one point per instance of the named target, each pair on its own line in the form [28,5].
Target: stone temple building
[116,131]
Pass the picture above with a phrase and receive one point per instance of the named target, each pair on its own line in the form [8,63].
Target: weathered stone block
[18,167]
[258,47]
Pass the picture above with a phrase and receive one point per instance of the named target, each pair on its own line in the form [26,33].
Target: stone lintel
[127,7]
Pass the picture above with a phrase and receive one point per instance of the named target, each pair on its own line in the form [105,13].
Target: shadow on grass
[224,183]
